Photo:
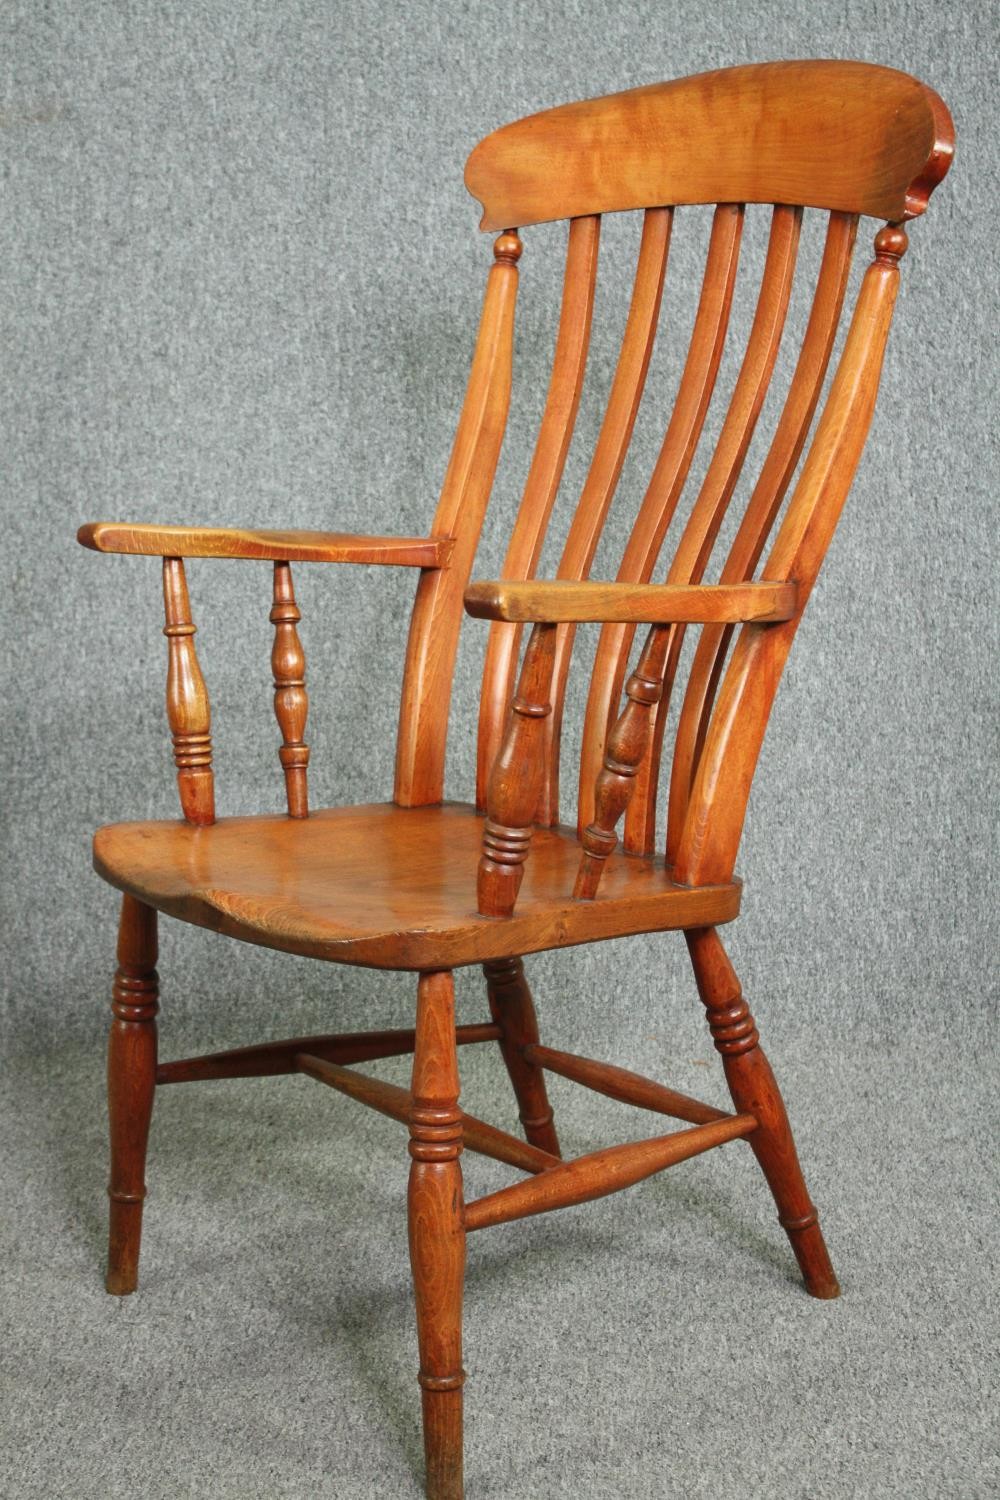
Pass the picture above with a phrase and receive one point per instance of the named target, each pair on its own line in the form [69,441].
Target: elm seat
[387,886]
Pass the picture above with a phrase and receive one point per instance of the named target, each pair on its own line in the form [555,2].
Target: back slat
[701,367]
[710,507]
[606,465]
[542,484]
[765,502]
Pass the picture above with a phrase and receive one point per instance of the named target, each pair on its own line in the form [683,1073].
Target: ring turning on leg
[755,1091]
[131,1081]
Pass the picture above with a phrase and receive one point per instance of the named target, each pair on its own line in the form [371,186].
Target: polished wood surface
[602,1172]
[721,786]
[131,1082]
[544,476]
[268,1059]
[754,1089]
[513,1008]
[437,614]
[389,1099]
[277,546]
[622,1084]
[561,600]
[609,455]
[844,135]
[291,701]
[386,886]
[188,712]
[437,1231]
[515,781]
[762,508]
[427,885]
[666,484]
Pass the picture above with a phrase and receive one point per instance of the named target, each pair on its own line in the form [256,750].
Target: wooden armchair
[394,885]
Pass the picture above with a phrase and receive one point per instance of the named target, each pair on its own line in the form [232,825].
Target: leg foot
[755,1091]
[437,1232]
[512,1008]
[131,1081]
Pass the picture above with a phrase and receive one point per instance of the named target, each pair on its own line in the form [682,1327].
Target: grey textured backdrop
[240,275]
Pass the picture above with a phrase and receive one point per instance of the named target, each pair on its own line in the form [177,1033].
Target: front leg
[131,1083]
[437,1231]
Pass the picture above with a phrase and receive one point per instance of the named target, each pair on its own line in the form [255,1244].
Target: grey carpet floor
[656,1344]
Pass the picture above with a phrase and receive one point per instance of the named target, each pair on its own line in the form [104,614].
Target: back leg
[755,1091]
[513,1010]
[131,1082]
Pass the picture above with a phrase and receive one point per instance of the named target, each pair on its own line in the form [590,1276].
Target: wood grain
[850,136]
[131,1083]
[188,711]
[622,1084]
[612,445]
[666,483]
[395,886]
[437,1232]
[387,886]
[389,1099]
[291,701]
[541,487]
[437,612]
[274,546]
[558,600]
[602,1172]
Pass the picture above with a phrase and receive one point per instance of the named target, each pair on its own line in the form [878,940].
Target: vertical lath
[701,367]
[717,805]
[709,508]
[544,476]
[764,504]
[606,465]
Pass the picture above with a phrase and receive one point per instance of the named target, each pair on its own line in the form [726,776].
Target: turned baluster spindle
[516,780]
[188,711]
[291,701]
[627,746]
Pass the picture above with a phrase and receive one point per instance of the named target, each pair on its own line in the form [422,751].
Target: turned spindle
[188,711]
[131,1083]
[291,701]
[891,244]
[627,745]
[516,780]
[437,1231]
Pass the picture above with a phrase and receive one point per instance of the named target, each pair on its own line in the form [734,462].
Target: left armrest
[563,601]
[278,546]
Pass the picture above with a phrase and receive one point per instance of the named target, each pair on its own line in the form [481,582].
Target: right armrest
[278,546]
[561,601]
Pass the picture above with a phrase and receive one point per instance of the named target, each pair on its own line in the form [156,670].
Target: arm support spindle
[627,744]
[188,711]
[291,701]
[516,780]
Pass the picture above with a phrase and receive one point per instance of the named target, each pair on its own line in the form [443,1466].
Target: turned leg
[131,1081]
[437,1232]
[513,1010]
[754,1091]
